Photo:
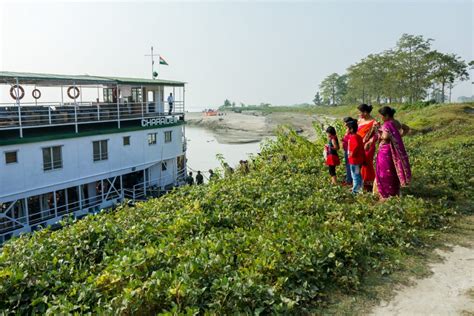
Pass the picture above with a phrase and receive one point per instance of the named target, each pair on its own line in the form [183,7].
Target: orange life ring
[76,94]
[36,94]
[13,91]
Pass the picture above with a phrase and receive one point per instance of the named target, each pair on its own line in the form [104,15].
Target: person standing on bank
[367,129]
[332,159]
[356,156]
[345,141]
[170,103]
[199,178]
[212,175]
[190,179]
[393,166]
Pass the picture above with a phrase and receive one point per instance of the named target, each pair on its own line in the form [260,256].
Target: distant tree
[329,88]
[412,71]
[227,103]
[466,99]
[341,89]
[233,104]
[242,105]
[317,99]
[445,70]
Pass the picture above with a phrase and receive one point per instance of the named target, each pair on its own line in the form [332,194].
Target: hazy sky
[276,52]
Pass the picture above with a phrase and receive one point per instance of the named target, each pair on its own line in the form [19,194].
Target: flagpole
[152,64]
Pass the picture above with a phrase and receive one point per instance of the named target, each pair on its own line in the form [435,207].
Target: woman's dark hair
[387,111]
[347,119]
[352,125]
[365,108]
[331,130]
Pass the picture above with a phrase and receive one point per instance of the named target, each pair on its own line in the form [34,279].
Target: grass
[278,239]
[447,125]
[413,265]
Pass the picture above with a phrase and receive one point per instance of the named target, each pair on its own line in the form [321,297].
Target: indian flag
[163,62]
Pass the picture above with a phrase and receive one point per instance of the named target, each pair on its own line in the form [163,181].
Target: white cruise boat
[75,157]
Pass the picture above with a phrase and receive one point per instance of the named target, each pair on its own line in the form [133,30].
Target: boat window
[126,140]
[52,158]
[136,95]
[11,157]
[168,136]
[152,139]
[100,150]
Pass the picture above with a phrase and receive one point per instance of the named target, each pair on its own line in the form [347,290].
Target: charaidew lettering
[159,121]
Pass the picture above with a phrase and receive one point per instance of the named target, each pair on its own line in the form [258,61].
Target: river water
[203,148]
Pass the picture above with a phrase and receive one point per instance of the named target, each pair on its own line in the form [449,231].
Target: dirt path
[448,291]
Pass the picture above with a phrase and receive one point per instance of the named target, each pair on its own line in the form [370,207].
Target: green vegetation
[410,72]
[279,239]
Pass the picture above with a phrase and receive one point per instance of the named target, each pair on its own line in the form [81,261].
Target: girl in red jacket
[332,159]
[356,155]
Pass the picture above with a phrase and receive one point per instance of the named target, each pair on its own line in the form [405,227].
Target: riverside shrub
[279,239]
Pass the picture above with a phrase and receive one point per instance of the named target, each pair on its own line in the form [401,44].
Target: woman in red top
[367,129]
[332,159]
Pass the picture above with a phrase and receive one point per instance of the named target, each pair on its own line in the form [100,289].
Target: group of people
[199,177]
[392,167]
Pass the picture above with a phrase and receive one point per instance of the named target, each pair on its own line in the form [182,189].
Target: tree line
[408,73]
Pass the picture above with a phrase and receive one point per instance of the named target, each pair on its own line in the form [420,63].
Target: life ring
[76,92]
[13,91]
[36,94]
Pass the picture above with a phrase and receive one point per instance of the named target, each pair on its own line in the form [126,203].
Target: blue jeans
[348,169]
[356,178]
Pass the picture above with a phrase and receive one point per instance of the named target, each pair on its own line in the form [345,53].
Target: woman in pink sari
[392,166]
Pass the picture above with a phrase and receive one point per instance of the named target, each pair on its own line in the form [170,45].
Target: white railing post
[75,110]
[98,113]
[80,197]
[75,118]
[143,98]
[49,115]
[19,107]
[25,203]
[118,107]
[55,205]
[184,93]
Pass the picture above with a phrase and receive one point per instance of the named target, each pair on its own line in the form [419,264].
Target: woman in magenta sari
[392,166]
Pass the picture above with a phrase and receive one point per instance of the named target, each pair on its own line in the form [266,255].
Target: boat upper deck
[123,100]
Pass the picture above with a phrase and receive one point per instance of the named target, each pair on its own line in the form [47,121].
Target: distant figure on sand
[367,129]
[330,150]
[212,175]
[228,170]
[170,103]
[190,179]
[356,156]
[393,166]
[199,178]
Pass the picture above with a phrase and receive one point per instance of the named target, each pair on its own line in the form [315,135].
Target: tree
[329,88]
[227,103]
[412,66]
[445,70]
[317,99]
[341,89]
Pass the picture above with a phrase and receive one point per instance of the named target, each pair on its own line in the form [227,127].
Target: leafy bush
[278,239]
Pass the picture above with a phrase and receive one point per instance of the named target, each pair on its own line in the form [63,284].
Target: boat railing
[11,221]
[141,190]
[33,115]
[57,209]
